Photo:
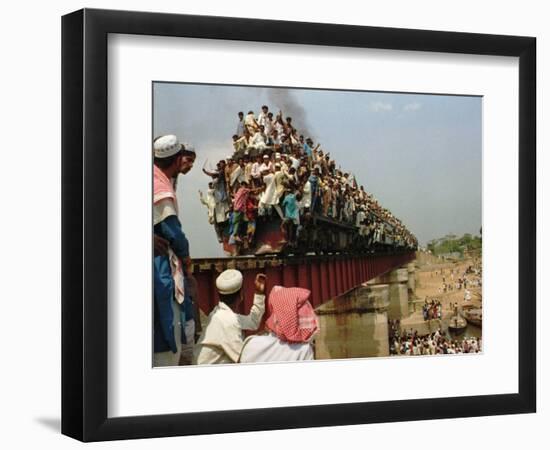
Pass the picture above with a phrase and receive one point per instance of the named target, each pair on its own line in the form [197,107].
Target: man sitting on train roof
[263,117]
[250,123]
[241,143]
[222,339]
[266,164]
[275,140]
[288,128]
[240,124]
[308,147]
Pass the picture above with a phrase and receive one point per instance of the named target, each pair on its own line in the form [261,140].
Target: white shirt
[210,202]
[255,170]
[262,118]
[258,140]
[222,339]
[240,128]
[249,120]
[279,127]
[306,197]
[270,195]
[268,127]
[360,217]
[265,166]
[269,348]
[237,175]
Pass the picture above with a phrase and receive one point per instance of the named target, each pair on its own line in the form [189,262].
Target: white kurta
[222,338]
[360,217]
[270,195]
[258,141]
[262,119]
[237,176]
[306,196]
[269,348]
[210,202]
[249,121]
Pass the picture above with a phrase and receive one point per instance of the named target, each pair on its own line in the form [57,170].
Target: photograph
[275,225]
[299,224]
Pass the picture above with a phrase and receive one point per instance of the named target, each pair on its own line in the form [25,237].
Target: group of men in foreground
[290,325]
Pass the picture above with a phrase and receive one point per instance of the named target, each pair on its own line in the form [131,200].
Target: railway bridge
[326,276]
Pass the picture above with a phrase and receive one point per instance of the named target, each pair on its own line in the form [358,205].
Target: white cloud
[412,106]
[380,106]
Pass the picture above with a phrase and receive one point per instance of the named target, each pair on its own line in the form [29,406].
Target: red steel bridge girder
[326,277]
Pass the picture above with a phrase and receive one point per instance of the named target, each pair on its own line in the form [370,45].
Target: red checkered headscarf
[291,316]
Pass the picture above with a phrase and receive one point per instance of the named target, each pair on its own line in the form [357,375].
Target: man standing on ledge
[173,313]
[222,339]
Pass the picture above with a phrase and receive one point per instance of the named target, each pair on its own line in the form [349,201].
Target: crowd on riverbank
[409,343]
[454,279]
[276,170]
[432,309]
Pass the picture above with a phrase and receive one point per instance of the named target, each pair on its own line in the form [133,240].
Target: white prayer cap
[265,156]
[229,281]
[166,146]
[277,155]
[189,147]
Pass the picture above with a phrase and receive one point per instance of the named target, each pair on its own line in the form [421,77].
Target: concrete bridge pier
[411,282]
[354,325]
[397,280]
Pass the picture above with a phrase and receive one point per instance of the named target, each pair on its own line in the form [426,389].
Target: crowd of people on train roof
[276,170]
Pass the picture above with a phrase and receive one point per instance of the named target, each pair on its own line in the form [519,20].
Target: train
[316,235]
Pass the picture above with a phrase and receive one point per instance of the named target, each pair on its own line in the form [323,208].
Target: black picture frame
[84,224]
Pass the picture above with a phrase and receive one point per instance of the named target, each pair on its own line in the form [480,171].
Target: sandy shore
[430,278]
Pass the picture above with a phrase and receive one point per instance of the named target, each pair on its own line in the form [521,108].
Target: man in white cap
[222,339]
[173,312]
[265,165]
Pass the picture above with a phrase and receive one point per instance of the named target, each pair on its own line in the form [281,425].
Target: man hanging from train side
[174,326]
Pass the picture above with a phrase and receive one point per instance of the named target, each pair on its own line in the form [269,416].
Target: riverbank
[455,285]
[357,324]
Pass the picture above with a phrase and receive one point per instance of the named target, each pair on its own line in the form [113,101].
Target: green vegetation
[454,244]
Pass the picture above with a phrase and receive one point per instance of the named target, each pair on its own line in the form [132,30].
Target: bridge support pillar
[411,282]
[354,325]
[398,292]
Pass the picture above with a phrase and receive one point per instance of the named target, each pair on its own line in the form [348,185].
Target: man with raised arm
[222,339]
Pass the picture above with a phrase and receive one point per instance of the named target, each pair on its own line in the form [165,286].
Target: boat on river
[473,316]
[457,324]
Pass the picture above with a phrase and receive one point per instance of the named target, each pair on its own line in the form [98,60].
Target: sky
[420,155]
